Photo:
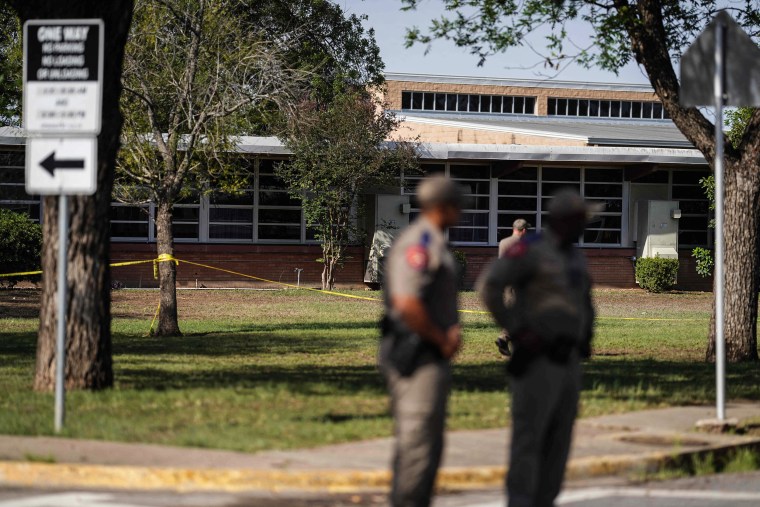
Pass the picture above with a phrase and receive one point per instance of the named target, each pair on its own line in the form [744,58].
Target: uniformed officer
[519,229]
[551,323]
[421,334]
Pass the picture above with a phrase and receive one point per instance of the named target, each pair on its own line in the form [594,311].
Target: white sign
[63,76]
[57,166]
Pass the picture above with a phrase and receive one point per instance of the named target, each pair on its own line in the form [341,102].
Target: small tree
[20,245]
[339,152]
[193,72]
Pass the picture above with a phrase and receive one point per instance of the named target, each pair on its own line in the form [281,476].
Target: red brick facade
[610,267]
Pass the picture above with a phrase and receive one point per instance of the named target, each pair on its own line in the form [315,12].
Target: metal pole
[720,339]
[60,342]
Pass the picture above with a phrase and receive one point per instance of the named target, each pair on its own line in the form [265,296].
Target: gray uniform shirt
[420,264]
[552,290]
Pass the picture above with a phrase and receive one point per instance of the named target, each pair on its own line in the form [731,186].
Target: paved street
[730,490]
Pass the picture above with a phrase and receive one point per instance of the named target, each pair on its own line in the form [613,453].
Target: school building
[510,143]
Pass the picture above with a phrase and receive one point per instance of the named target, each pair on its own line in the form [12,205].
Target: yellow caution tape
[171,258]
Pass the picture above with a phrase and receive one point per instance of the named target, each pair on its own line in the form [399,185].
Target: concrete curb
[24,474]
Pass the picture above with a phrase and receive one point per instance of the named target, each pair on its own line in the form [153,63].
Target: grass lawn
[284,369]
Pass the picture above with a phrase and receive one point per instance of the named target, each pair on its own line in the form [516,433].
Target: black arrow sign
[50,164]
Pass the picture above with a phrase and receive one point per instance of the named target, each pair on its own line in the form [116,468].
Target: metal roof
[600,132]
[12,136]
[489,152]
[523,83]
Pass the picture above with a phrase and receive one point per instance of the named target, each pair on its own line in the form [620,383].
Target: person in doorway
[421,334]
[551,324]
[519,229]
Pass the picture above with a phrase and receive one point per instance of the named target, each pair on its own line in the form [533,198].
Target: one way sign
[57,166]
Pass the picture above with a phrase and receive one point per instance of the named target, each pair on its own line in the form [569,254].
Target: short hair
[520,224]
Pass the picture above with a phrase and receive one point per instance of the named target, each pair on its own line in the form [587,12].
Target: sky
[443,57]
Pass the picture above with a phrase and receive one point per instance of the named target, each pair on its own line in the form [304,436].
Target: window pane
[688,192]
[30,209]
[451,102]
[465,235]
[406,100]
[267,182]
[583,107]
[626,109]
[593,108]
[242,199]
[636,110]
[129,230]
[693,223]
[429,101]
[185,214]
[605,222]
[524,173]
[462,101]
[185,231]
[647,110]
[615,109]
[417,100]
[692,238]
[244,215]
[11,175]
[694,207]
[604,190]
[130,213]
[610,205]
[475,187]
[601,237]
[518,203]
[552,107]
[472,202]
[518,188]
[14,193]
[470,171]
[688,177]
[474,103]
[604,108]
[227,231]
[440,101]
[473,220]
[550,189]
[561,174]
[280,232]
[657,110]
[572,107]
[485,104]
[269,198]
[508,105]
[604,175]
[496,104]
[279,216]
[519,105]
[530,105]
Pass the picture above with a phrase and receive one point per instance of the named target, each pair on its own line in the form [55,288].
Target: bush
[20,246]
[655,274]
[705,261]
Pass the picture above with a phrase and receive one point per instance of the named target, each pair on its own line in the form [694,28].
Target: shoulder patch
[417,257]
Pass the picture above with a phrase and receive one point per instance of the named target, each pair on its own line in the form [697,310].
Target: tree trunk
[88,318]
[167,272]
[741,221]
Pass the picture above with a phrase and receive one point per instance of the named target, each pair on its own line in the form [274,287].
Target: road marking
[66,500]
[570,497]
[574,496]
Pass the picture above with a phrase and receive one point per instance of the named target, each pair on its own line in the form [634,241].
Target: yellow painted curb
[332,481]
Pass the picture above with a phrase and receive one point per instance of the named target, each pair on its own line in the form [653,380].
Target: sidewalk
[623,444]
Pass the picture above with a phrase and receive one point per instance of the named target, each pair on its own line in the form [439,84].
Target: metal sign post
[60,337]
[721,68]
[720,339]
[63,89]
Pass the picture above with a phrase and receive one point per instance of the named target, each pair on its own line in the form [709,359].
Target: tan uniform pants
[544,408]
[418,403]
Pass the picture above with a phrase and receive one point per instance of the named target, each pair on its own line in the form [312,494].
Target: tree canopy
[10,67]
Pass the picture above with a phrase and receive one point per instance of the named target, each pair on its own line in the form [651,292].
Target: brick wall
[273,262]
[609,267]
